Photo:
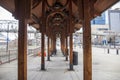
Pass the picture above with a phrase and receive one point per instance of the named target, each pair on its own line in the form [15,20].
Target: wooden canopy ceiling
[56,12]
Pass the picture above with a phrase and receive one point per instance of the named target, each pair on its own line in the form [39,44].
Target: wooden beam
[22,50]
[36,3]
[80,8]
[100,5]
[8,5]
[87,52]
[92,9]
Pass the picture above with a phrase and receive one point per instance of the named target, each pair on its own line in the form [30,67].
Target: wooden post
[87,52]
[42,36]
[71,51]
[54,43]
[71,36]
[22,14]
[42,52]
[22,50]
[50,42]
[62,44]
[51,45]
[48,58]
[66,49]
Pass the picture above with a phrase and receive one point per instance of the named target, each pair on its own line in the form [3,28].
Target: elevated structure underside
[57,12]
[56,18]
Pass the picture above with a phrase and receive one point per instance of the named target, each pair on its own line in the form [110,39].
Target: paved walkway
[105,67]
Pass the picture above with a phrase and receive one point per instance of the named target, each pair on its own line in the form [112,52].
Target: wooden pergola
[56,18]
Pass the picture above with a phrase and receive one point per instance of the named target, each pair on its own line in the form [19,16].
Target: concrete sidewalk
[105,67]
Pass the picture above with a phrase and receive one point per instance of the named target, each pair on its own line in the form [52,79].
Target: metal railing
[10,55]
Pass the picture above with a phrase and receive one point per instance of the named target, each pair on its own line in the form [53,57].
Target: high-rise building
[100,20]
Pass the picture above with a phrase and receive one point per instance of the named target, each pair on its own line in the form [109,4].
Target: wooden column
[42,36]
[71,36]
[54,43]
[48,57]
[66,49]
[42,52]
[63,48]
[22,14]
[64,45]
[87,52]
[51,45]
[71,51]
[22,50]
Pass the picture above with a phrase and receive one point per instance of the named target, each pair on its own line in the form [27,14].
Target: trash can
[75,58]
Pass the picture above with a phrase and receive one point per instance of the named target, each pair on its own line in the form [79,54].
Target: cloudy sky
[117,5]
[5,15]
